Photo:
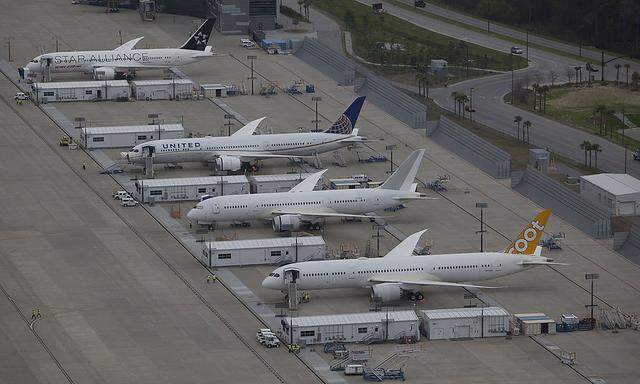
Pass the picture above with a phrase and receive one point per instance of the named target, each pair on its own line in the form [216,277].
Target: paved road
[488,93]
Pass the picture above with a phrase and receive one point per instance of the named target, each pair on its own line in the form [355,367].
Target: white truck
[119,195]
[354,369]
[271,341]
[128,202]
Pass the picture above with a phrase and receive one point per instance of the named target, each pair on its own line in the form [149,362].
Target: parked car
[516,50]
[128,202]
[111,171]
[21,96]
[119,195]
[246,43]
[420,3]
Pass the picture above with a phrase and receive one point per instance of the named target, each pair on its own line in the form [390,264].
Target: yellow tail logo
[528,239]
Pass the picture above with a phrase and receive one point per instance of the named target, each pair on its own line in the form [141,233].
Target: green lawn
[416,45]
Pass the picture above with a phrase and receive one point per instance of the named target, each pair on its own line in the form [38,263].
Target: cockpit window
[276,275]
[34,60]
[136,150]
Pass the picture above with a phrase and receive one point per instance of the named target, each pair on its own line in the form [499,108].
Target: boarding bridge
[291,280]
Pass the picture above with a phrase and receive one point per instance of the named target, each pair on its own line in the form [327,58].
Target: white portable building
[214,90]
[532,324]
[128,135]
[170,89]
[263,251]
[618,193]
[459,323]
[345,183]
[190,188]
[276,183]
[81,91]
[352,328]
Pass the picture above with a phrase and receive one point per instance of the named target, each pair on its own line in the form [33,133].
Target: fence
[472,148]
[327,61]
[393,101]
[565,203]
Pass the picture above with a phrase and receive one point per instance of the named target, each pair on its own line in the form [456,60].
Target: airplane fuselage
[206,149]
[261,206]
[357,273]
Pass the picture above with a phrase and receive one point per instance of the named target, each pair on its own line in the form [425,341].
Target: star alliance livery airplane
[303,205]
[229,153]
[400,274]
[123,60]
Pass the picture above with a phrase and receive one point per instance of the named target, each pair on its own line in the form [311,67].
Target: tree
[569,74]
[349,19]
[517,120]
[526,125]
[618,66]
[454,96]
[608,114]
[626,67]
[534,88]
[553,75]
[598,116]
[586,147]
[595,148]
[635,78]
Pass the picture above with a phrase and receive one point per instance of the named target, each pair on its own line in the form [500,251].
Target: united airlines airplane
[400,274]
[302,205]
[229,153]
[124,59]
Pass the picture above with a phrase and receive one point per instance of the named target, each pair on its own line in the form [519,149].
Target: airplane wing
[309,183]
[406,246]
[249,129]
[525,262]
[423,282]
[129,44]
[317,213]
[255,155]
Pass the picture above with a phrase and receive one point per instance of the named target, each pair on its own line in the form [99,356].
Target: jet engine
[228,163]
[284,223]
[386,292]
[104,73]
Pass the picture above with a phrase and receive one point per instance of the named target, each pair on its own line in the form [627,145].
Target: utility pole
[511,61]
[624,143]
[591,277]
[527,45]
[471,104]
[390,148]
[316,99]
[602,69]
[229,124]
[9,47]
[482,206]
[120,34]
[252,57]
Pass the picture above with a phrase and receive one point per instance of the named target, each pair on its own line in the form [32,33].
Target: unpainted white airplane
[229,153]
[123,60]
[302,205]
[401,274]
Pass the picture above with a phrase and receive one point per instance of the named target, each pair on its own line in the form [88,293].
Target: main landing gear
[416,296]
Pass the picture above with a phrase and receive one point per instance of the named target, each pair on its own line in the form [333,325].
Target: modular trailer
[276,183]
[81,91]
[618,193]
[352,328]
[190,188]
[263,251]
[457,323]
[171,89]
[128,135]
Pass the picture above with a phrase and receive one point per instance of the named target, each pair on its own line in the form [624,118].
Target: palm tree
[618,66]
[586,147]
[464,99]
[543,98]
[626,67]
[517,120]
[598,113]
[526,125]
[534,87]
[635,78]
[454,96]
[595,147]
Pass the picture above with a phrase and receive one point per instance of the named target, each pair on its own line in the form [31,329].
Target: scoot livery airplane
[124,59]
[230,152]
[302,205]
[399,274]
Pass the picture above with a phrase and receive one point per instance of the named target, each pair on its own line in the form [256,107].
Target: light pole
[482,206]
[471,104]
[229,124]
[591,277]
[390,148]
[316,99]
[252,57]
[527,45]
[377,235]
[9,46]
[511,62]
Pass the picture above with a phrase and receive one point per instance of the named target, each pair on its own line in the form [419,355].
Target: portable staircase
[391,367]
[359,357]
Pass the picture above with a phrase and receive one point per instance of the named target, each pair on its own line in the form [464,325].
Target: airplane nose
[192,215]
[270,283]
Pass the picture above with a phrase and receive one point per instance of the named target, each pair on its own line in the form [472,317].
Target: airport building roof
[133,129]
[264,243]
[281,177]
[81,84]
[457,313]
[161,82]
[191,181]
[533,318]
[615,183]
[352,318]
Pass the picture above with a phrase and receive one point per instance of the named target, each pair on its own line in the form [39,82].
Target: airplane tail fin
[402,178]
[527,241]
[347,121]
[198,41]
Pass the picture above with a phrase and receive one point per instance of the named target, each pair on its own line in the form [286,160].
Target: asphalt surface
[489,91]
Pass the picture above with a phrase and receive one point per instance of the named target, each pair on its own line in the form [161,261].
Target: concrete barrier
[332,63]
[565,203]
[472,148]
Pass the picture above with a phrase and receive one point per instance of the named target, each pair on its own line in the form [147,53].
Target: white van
[128,202]
[119,195]
[246,43]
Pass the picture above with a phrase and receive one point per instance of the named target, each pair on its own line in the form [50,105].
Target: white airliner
[229,153]
[124,59]
[302,205]
[399,274]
